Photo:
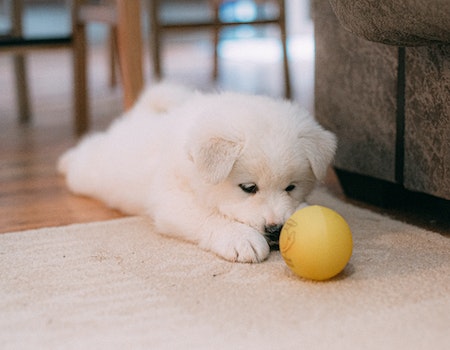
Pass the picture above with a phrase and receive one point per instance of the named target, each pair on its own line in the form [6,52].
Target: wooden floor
[33,194]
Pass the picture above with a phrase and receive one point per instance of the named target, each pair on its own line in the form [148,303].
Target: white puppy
[223,170]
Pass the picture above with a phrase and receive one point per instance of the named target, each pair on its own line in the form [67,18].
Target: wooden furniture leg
[112,55]
[216,20]
[154,35]
[283,32]
[129,42]
[80,74]
[20,69]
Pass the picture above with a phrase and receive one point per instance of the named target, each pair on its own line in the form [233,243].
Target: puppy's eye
[290,188]
[249,188]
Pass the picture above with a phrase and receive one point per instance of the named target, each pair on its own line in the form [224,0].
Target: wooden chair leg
[22,92]
[129,42]
[155,37]
[217,27]
[283,32]
[20,69]
[112,59]
[80,76]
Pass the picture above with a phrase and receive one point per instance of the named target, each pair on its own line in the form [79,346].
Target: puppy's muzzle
[272,235]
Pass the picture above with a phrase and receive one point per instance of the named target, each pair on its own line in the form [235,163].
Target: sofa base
[387,195]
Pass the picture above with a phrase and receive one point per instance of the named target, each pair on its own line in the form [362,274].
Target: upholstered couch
[382,85]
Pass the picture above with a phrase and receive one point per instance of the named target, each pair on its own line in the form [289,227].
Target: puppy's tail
[164,96]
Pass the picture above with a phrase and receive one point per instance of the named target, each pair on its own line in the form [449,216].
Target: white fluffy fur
[179,156]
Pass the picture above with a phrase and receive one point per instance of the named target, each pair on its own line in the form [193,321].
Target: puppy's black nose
[272,234]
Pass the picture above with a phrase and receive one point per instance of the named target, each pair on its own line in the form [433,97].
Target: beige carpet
[117,285]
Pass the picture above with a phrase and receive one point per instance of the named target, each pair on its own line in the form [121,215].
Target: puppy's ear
[320,146]
[215,158]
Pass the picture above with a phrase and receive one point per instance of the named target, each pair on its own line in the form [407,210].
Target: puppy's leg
[231,240]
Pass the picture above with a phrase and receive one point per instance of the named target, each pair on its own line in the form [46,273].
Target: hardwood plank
[32,193]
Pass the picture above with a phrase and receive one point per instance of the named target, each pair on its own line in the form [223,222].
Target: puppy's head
[257,159]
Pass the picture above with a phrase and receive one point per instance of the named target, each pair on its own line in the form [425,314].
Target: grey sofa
[382,84]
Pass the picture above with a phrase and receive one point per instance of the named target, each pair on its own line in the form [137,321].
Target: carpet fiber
[117,285]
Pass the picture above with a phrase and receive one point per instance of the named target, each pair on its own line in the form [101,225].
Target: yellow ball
[316,243]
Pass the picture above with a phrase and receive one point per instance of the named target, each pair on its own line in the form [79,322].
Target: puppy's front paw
[238,243]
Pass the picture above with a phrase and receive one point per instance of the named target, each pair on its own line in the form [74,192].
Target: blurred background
[250,57]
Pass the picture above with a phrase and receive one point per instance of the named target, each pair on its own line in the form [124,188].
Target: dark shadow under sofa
[382,84]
